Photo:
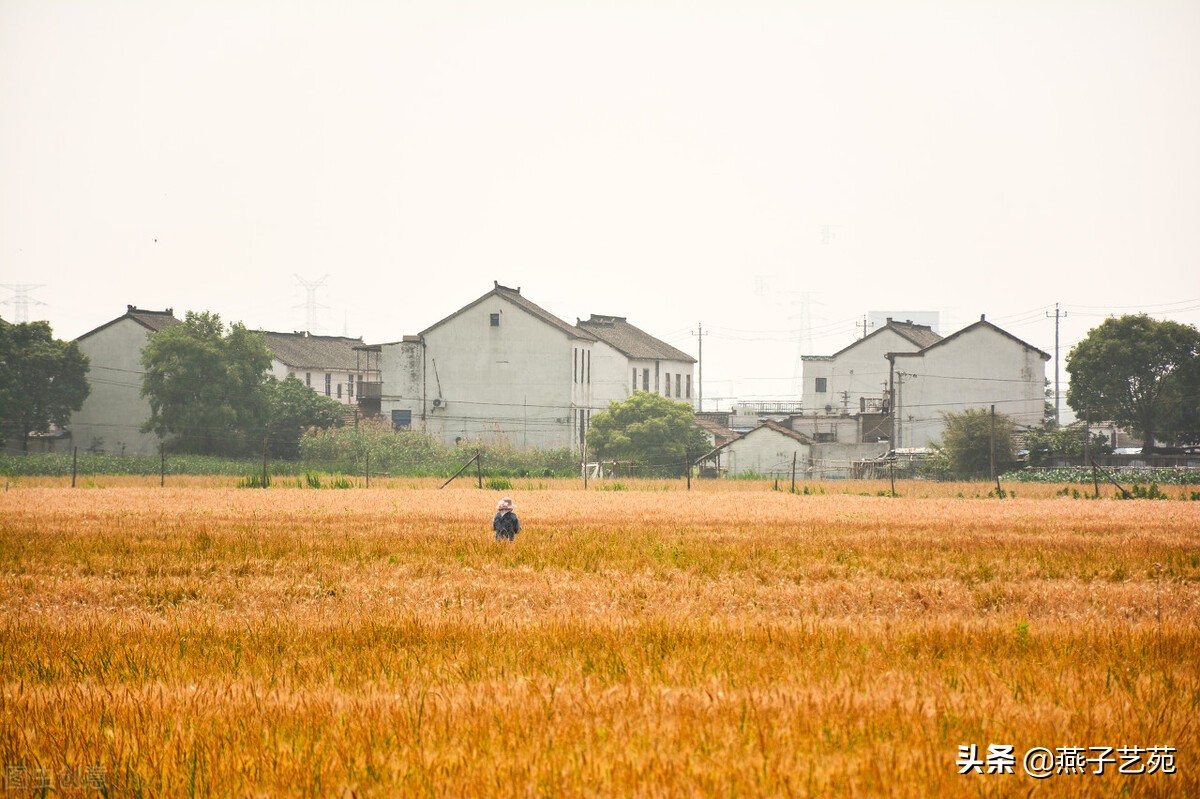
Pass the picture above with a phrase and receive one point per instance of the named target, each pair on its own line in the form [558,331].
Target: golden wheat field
[731,640]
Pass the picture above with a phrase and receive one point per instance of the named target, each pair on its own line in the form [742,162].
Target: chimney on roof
[130,309]
[889,320]
[170,312]
[983,317]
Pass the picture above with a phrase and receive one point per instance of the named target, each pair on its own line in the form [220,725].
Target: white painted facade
[671,379]
[627,359]
[839,383]
[977,367]
[341,386]
[610,375]
[329,365]
[768,450]
[500,369]
[111,416]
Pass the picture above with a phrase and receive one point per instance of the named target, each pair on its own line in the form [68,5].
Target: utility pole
[897,409]
[992,443]
[700,334]
[864,325]
[1057,316]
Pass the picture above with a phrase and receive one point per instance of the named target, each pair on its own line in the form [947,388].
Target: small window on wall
[339,391]
[328,384]
[402,420]
[677,386]
[667,386]
[495,320]
[635,379]
[645,380]
[822,385]
[689,386]
[308,379]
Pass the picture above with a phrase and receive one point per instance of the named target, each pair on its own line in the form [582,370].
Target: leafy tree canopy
[1065,442]
[42,379]
[206,386]
[649,429]
[293,408]
[967,442]
[1141,373]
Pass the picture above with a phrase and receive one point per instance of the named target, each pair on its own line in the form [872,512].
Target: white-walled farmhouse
[111,416]
[980,366]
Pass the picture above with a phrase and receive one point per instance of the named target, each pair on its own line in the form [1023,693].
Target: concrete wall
[315,378]
[523,381]
[115,408]
[861,370]
[975,369]
[843,429]
[765,451]
[652,376]
[833,461]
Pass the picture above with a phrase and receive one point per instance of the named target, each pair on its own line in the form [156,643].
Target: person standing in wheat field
[505,522]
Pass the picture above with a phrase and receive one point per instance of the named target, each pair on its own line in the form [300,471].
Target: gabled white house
[111,416]
[770,450]
[333,366]
[500,368]
[980,366]
[626,359]
[855,378]
[503,368]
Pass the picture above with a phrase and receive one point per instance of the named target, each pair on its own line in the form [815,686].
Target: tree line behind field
[211,394]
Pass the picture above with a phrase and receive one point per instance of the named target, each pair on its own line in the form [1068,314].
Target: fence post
[687,468]
[162,469]
[264,477]
[368,467]
[74,464]
[793,472]
[479,468]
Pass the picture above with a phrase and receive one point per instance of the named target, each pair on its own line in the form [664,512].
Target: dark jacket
[506,524]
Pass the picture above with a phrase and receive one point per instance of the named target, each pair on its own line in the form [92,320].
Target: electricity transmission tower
[311,305]
[21,300]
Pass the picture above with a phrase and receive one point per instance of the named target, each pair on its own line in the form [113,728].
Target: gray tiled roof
[153,321]
[632,341]
[986,324]
[921,336]
[305,351]
[514,296]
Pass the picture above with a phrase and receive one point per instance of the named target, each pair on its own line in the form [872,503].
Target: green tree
[967,442]
[42,380]
[1064,442]
[1139,372]
[293,408]
[653,431]
[205,386]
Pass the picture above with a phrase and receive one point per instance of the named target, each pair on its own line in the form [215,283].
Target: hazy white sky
[771,170]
